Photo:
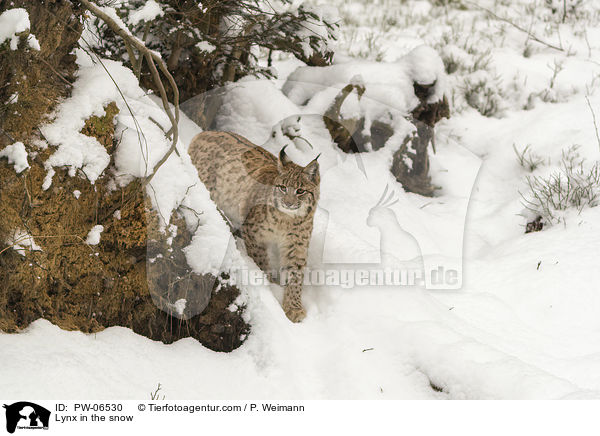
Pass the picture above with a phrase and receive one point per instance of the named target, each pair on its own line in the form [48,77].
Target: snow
[425,68]
[14,98]
[91,92]
[93,237]
[13,22]
[388,96]
[48,179]
[240,111]
[76,193]
[148,12]
[178,306]
[316,27]
[33,42]
[112,14]
[206,46]
[523,324]
[21,241]
[16,155]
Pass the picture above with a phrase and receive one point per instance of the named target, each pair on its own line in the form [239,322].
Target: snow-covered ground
[525,322]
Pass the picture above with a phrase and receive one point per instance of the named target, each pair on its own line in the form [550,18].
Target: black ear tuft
[283,158]
[312,169]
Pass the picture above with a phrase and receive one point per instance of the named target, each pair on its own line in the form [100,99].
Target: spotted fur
[271,200]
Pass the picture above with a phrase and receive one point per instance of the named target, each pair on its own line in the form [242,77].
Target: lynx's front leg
[293,261]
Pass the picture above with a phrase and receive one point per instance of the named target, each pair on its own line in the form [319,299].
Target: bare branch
[152,59]
[594,118]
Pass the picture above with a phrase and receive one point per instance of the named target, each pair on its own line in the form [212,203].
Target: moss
[102,128]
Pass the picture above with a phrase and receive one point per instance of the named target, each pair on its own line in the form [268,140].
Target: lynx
[272,201]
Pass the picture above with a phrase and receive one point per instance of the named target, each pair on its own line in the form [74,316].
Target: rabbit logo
[397,246]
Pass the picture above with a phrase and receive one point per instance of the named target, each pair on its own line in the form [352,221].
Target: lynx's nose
[290,201]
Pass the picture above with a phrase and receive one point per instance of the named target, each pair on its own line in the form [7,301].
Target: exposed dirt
[429,113]
[536,225]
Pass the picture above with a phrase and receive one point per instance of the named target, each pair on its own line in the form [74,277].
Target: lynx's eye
[281,188]
[300,191]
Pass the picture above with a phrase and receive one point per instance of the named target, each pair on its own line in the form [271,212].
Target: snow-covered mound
[388,85]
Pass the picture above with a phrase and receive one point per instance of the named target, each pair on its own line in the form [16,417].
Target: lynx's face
[296,188]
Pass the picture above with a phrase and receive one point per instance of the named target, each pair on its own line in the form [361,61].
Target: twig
[17,242]
[60,76]
[305,140]
[8,135]
[26,237]
[587,42]
[152,59]
[155,396]
[516,26]
[593,118]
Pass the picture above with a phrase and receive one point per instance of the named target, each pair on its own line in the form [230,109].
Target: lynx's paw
[295,314]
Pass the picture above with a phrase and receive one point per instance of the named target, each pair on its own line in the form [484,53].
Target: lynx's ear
[284,160]
[312,169]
